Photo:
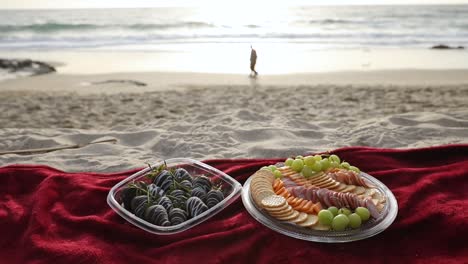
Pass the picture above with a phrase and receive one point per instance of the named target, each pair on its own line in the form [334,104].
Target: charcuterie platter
[319,198]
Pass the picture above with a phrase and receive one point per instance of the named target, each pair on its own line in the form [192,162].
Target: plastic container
[230,188]
[368,229]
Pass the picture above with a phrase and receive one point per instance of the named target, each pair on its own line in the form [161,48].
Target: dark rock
[441,46]
[27,65]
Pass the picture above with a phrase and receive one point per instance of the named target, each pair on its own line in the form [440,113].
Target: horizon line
[194,6]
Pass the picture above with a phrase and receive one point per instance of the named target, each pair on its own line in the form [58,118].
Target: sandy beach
[205,116]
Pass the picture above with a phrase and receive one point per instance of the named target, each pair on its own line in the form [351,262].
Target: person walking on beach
[253,60]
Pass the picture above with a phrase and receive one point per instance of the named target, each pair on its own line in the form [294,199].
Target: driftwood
[136,83]
[45,150]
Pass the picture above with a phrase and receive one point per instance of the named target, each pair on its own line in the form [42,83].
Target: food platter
[372,227]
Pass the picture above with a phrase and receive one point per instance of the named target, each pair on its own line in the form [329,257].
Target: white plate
[368,229]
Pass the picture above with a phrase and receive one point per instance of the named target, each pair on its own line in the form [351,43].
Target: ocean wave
[336,21]
[221,34]
[50,27]
[341,40]
[190,24]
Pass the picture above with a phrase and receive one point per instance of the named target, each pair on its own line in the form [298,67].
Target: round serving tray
[368,229]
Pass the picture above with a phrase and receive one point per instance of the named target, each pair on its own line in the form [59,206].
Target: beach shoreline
[233,58]
[124,82]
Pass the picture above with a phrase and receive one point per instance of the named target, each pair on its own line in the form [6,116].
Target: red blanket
[50,216]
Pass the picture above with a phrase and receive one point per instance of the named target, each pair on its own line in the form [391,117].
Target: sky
[14,4]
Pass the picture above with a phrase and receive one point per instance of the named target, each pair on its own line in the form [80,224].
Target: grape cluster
[311,165]
[340,219]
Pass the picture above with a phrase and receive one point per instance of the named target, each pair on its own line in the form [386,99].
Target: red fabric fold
[51,216]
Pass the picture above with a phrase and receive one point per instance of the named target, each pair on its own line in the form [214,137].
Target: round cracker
[330,184]
[300,218]
[334,186]
[292,215]
[259,196]
[265,174]
[283,212]
[324,179]
[273,201]
[261,185]
[278,209]
[311,220]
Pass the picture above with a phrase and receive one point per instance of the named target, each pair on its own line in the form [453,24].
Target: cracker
[288,172]
[300,218]
[325,183]
[292,215]
[311,220]
[265,174]
[340,187]
[273,201]
[283,212]
[334,185]
[377,195]
[321,227]
[359,190]
[261,184]
[318,178]
[278,209]
[259,196]
[370,192]
[349,188]
[380,207]
[256,190]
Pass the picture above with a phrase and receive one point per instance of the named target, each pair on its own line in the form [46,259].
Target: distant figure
[253,60]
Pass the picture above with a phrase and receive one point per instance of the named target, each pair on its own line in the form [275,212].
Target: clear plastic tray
[230,187]
[368,229]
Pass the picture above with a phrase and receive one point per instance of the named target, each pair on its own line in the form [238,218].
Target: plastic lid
[229,186]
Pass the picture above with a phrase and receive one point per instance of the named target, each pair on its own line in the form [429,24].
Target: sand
[205,116]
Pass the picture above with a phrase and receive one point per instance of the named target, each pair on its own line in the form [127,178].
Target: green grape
[309,161]
[317,166]
[288,162]
[340,222]
[335,158]
[307,172]
[345,165]
[344,211]
[278,174]
[333,210]
[354,168]
[317,157]
[363,213]
[272,167]
[334,164]
[355,220]
[325,217]
[325,164]
[299,157]
[297,165]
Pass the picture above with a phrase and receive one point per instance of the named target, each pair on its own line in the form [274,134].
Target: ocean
[320,27]
[217,39]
